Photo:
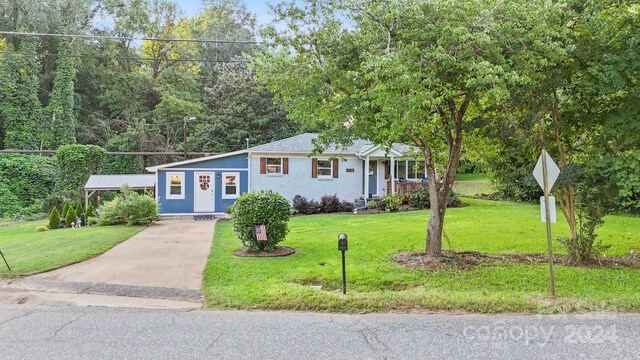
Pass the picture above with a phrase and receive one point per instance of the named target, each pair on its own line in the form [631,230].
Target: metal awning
[115,182]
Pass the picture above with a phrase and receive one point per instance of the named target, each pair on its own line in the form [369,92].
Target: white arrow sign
[553,171]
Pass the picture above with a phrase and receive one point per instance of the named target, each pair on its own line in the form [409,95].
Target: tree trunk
[435,228]
[564,195]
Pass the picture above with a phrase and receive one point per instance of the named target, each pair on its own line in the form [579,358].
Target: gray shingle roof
[114,182]
[303,143]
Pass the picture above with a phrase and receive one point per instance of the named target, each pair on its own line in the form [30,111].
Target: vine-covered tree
[61,109]
[20,107]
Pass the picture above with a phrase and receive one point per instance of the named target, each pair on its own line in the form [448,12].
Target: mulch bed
[469,259]
[278,251]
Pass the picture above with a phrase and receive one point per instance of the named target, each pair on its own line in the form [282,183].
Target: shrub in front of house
[261,208]
[128,208]
[420,199]
[391,202]
[453,200]
[304,206]
[372,204]
[330,204]
[347,206]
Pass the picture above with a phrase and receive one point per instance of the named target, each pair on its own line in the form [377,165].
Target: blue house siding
[237,164]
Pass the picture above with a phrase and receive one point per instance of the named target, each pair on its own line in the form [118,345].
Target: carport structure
[99,183]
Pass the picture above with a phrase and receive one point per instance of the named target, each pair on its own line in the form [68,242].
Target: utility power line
[123,57]
[113,37]
[130,153]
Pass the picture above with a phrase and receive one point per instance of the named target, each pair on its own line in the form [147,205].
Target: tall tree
[416,70]
[239,110]
[61,109]
[20,106]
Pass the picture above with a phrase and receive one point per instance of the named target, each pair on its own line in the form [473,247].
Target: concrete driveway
[170,253]
[163,262]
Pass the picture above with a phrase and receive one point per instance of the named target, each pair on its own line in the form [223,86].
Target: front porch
[406,188]
[405,176]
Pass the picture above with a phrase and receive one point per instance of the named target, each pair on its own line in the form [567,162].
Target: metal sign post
[343,246]
[5,260]
[546,173]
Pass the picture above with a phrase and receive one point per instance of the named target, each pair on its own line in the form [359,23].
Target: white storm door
[204,196]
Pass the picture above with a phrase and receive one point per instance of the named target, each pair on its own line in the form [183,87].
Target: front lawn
[29,252]
[377,283]
[473,184]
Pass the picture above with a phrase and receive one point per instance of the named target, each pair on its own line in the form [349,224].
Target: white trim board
[373,149]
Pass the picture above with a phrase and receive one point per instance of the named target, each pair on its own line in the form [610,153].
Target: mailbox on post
[343,245]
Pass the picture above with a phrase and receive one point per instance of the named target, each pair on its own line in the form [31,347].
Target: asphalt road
[28,332]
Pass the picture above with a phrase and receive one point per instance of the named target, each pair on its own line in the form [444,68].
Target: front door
[203,192]
[373,177]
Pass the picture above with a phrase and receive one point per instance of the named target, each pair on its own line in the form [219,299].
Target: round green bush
[391,202]
[261,208]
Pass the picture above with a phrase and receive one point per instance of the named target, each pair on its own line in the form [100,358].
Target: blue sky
[191,7]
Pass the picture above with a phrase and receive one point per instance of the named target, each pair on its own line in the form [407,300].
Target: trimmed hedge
[328,204]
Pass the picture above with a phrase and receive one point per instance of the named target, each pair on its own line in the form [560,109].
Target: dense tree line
[130,95]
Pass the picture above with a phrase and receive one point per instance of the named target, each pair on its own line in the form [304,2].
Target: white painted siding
[348,185]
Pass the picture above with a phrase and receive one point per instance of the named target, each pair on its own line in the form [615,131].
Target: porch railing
[405,188]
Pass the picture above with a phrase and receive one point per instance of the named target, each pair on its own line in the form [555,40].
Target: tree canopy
[415,71]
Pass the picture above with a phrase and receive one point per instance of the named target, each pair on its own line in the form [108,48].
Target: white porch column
[366,177]
[393,174]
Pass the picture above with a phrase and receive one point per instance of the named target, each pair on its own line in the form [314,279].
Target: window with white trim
[175,185]
[274,166]
[325,168]
[410,169]
[230,185]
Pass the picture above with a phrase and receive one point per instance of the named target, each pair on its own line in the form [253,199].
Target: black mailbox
[343,244]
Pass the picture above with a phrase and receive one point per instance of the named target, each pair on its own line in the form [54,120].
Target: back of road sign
[552,209]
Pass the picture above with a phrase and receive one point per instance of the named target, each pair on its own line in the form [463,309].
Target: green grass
[472,184]
[29,252]
[376,283]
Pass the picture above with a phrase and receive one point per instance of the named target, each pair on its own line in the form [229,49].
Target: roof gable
[197,160]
